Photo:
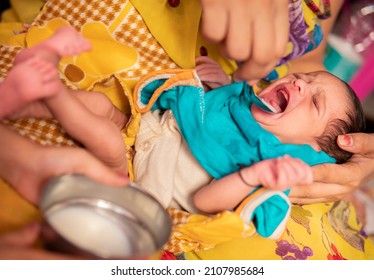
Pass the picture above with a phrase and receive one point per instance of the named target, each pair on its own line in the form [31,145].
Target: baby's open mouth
[278,99]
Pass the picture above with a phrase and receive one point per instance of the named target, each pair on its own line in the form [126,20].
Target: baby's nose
[299,86]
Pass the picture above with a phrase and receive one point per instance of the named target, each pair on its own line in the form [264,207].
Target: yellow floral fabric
[315,232]
[131,39]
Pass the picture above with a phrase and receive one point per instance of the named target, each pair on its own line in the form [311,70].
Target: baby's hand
[210,73]
[282,173]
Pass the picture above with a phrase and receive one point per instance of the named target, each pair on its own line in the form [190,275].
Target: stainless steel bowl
[92,220]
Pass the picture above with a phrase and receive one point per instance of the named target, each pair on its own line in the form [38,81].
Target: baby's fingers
[302,172]
[285,173]
[292,171]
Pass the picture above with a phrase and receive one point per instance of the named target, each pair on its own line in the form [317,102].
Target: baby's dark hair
[354,122]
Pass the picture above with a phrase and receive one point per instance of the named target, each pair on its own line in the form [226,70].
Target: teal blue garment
[223,135]
[269,215]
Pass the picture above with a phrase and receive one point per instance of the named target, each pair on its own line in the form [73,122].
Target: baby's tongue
[277,100]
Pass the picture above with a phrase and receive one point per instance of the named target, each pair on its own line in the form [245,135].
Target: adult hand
[18,245]
[254,32]
[32,165]
[55,161]
[335,181]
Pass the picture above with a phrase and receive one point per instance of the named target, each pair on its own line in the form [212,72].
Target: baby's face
[305,104]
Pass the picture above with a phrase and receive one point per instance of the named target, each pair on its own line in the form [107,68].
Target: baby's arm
[210,73]
[276,174]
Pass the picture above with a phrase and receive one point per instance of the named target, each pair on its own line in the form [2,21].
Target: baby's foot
[66,41]
[29,81]
[26,82]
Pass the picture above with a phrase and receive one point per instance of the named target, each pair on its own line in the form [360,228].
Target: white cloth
[163,163]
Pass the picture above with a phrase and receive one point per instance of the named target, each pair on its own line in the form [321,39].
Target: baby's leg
[66,41]
[101,105]
[26,82]
[96,133]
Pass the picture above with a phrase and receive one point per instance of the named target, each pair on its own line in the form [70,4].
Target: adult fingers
[238,42]
[269,41]
[355,172]
[281,25]
[333,173]
[318,192]
[214,20]
[83,162]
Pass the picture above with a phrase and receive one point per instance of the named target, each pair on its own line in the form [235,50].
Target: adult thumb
[362,143]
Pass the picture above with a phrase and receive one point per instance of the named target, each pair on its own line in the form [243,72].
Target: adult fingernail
[345,140]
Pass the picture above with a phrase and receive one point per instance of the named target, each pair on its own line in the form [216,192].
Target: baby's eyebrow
[315,73]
